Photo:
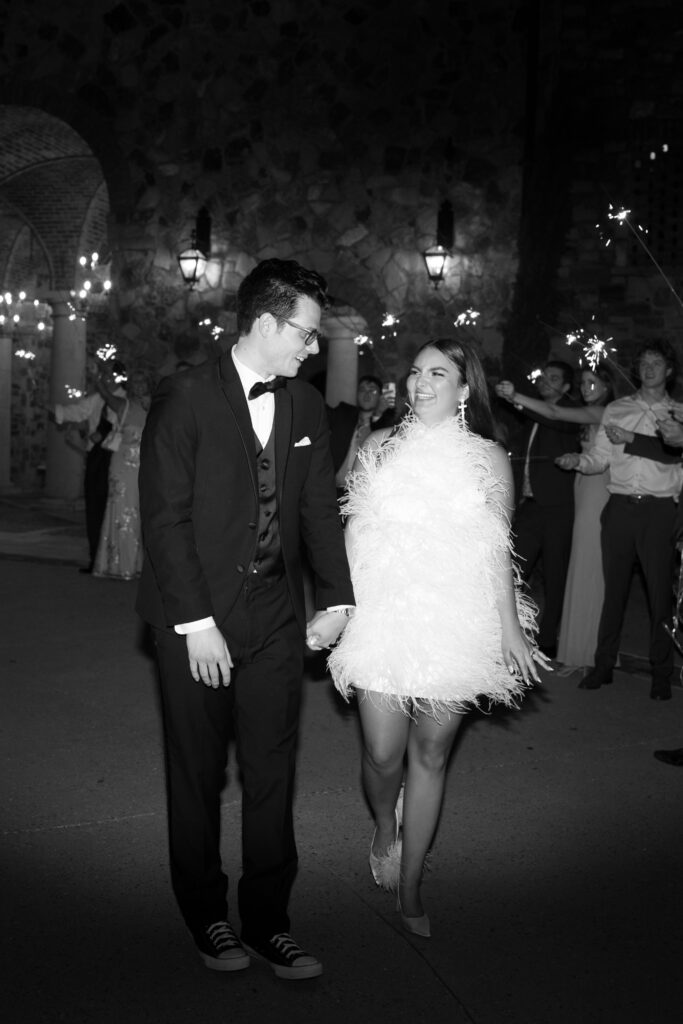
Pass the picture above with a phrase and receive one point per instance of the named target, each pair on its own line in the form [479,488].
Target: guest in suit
[93,410]
[235,474]
[544,517]
[638,519]
[351,425]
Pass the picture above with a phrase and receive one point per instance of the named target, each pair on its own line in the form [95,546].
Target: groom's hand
[209,657]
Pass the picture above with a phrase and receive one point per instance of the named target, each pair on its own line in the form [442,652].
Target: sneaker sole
[233,963]
[289,973]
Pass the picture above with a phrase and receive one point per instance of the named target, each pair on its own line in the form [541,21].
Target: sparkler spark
[622,216]
[595,349]
[534,375]
[107,351]
[467,319]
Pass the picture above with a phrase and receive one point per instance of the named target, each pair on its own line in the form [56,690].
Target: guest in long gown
[119,553]
[584,587]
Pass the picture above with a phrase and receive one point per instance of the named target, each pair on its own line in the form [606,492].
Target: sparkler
[107,351]
[467,319]
[622,216]
[595,350]
[214,329]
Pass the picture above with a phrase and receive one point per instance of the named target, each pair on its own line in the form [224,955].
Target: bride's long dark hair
[463,354]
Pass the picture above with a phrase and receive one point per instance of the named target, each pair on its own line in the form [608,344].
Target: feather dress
[429,537]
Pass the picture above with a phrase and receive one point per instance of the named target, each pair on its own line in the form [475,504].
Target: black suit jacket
[199,500]
[343,419]
[549,484]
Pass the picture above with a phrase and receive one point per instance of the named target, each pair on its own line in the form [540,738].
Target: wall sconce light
[193,261]
[435,260]
[435,256]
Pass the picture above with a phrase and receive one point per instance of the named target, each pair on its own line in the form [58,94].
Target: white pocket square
[303,442]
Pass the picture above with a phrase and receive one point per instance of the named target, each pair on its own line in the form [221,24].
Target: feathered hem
[429,538]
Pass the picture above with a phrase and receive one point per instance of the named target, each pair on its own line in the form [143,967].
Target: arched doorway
[54,208]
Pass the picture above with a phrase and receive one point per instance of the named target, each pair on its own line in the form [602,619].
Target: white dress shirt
[630,474]
[87,408]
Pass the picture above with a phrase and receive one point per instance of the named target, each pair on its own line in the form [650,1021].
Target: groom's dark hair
[274,286]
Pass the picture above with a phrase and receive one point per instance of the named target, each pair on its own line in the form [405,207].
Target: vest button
[252,526]
[240,568]
[265,464]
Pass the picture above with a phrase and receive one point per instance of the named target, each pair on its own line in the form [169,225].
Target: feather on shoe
[386,870]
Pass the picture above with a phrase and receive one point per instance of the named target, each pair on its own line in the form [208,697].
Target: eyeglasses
[310,336]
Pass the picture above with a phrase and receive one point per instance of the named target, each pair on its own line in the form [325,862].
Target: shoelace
[286,945]
[222,936]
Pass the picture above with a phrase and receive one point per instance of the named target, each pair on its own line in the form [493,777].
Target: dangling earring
[462,406]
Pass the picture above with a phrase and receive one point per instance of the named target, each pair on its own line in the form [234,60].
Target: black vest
[268,557]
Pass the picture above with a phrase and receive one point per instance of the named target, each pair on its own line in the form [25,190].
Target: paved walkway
[555,888]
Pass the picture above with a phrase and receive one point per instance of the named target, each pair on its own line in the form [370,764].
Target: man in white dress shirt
[638,520]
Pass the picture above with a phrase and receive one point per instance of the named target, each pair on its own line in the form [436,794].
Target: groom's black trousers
[261,706]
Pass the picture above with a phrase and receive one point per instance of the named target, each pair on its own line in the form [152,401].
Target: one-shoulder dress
[429,537]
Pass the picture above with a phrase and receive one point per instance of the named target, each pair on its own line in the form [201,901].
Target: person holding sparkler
[584,587]
[544,515]
[638,519]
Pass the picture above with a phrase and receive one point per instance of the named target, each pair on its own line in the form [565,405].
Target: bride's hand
[522,658]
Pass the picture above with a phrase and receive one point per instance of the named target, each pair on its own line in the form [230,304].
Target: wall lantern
[435,256]
[435,260]
[193,261]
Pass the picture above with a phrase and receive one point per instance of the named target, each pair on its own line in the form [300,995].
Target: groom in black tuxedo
[235,474]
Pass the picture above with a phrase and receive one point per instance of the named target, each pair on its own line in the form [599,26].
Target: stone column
[5,411]
[64,466]
[340,328]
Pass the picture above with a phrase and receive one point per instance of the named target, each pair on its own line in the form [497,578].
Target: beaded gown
[119,553]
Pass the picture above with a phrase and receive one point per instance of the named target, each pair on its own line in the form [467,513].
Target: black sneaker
[220,949]
[286,957]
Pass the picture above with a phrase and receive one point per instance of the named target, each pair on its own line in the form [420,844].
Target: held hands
[209,657]
[506,389]
[324,629]
[568,461]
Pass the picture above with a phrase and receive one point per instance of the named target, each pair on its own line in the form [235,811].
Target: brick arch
[53,182]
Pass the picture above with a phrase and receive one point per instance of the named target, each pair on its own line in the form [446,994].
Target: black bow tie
[261,386]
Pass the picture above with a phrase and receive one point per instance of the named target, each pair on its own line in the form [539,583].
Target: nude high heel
[414,925]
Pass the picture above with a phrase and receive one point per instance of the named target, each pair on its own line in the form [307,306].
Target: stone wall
[327,133]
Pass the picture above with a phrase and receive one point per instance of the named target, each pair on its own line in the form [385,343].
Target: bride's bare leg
[385,735]
[429,745]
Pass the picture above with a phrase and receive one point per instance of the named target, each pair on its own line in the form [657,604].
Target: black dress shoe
[674,757]
[660,691]
[596,678]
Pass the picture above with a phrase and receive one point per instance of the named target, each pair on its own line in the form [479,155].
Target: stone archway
[54,207]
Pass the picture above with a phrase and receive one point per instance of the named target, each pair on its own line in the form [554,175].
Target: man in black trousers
[544,517]
[638,519]
[236,480]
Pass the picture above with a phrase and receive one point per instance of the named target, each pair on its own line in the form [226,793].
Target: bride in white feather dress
[440,624]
